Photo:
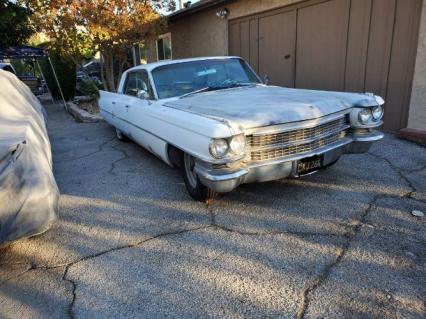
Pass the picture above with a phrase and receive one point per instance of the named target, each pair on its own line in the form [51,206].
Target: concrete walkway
[131,243]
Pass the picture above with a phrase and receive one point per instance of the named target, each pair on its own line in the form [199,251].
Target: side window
[130,87]
[136,81]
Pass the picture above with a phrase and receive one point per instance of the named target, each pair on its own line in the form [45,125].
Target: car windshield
[189,77]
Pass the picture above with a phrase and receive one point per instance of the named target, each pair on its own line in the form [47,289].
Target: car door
[127,99]
[139,96]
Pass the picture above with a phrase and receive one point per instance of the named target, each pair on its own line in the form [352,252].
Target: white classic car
[215,119]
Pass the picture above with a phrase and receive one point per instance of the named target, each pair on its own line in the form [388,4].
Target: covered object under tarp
[28,190]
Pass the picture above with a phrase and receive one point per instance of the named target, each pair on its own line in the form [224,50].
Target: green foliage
[23,67]
[15,28]
[65,70]
[89,87]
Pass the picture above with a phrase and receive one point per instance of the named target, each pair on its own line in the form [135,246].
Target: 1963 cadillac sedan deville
[213,118]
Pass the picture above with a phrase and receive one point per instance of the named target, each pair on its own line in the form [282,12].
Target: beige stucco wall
[417,113]
[204,34]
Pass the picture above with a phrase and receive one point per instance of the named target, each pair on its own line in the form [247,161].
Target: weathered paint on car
[300,123]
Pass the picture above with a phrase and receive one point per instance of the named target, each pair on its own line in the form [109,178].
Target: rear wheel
[195,188]
[120,135]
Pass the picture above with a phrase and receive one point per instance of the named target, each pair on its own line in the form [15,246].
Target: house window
[164,47]
[139,53]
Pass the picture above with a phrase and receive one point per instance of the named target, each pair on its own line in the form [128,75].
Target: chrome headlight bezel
[237,144]
[377,112]
[365,116]
[234,146]
[218,148]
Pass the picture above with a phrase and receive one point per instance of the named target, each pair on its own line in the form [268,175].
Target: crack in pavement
[100,149]
[305,295]
[349,235]
[113,163]
[393,166]
[277,232]
[402,176]
[101,253]
[74,288]
[68,266]
[210,203]
[30,267]
[341,252]
[354,229]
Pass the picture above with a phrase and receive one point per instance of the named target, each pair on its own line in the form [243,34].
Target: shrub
[66,73]
[89,87]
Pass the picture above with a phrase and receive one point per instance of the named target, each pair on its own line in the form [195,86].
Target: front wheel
[195,188]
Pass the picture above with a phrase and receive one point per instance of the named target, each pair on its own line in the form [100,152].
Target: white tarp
[28,190]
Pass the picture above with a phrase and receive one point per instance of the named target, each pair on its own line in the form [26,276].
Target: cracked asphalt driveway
[131,243]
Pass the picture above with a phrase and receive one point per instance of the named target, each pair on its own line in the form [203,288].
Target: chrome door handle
[112,102]
[127,106]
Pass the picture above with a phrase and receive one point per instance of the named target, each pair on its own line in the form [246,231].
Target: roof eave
[197,7]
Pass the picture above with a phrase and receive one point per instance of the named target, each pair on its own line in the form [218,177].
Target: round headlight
[364,116]
[218,147]
[238,144]
[377,112]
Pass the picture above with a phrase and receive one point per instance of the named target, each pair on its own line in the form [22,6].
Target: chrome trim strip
[121,119]
[220,178]
[374,136]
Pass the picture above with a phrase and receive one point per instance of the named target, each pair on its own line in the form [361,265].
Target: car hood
[256,106]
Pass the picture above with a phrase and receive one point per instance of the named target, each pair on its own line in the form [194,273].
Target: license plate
[308,165]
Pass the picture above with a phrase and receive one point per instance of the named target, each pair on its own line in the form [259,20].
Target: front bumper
[225,179]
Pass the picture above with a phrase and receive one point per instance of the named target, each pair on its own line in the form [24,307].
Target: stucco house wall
[417,113]
[204,34]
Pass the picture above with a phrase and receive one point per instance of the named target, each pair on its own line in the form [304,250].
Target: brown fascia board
[197,7]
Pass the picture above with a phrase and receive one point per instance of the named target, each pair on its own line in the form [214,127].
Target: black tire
[195,188]
[120,135]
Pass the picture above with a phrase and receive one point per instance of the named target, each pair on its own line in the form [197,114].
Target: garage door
[344,45]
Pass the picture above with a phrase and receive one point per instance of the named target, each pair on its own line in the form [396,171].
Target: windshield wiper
[205,89]
[238,84]
[220,87]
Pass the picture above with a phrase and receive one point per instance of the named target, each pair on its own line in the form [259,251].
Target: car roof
[153,65]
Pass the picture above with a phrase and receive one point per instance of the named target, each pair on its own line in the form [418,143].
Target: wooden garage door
[350,45]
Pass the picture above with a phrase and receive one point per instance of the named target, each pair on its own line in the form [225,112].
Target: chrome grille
[296,135]
[290,143]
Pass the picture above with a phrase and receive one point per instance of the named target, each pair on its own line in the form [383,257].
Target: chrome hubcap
[118,133]
[189,170]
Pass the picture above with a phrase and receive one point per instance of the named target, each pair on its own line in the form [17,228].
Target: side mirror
[142,94]
[266,79]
